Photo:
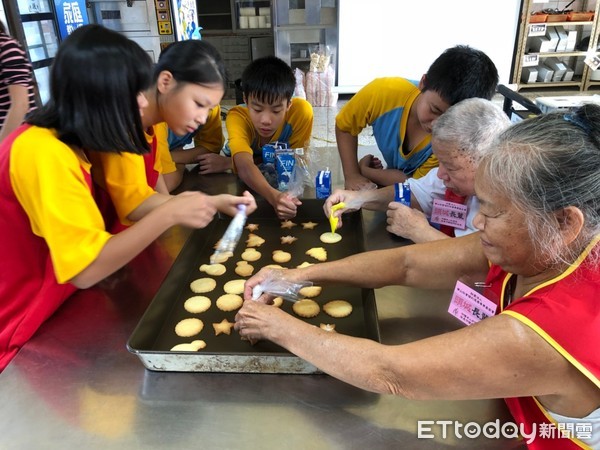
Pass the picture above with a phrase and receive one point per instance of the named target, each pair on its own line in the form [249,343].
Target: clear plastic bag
[275,285]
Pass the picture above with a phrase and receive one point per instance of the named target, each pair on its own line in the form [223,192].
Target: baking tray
[154,335]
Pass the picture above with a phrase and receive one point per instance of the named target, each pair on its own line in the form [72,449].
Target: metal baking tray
[154,335]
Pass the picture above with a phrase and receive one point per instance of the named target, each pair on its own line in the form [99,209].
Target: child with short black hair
[402,113]
[269,115]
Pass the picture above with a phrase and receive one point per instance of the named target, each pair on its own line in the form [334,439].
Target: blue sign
[70,14]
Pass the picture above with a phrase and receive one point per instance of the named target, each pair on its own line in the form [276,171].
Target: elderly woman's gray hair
[471,126]
[546,164]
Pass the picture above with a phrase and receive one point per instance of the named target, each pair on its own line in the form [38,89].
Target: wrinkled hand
[213,163]
[352,199]
[257,321]
[404,221]
[266,273]
[286,207]
[228,204]
[358,183]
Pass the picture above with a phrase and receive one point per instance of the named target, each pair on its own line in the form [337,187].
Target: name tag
[469,306]
[449,213]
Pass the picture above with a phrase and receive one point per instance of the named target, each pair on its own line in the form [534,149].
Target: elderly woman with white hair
[460,138]
[537,252]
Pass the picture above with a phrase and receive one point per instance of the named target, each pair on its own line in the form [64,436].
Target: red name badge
[469,306]
[449,213]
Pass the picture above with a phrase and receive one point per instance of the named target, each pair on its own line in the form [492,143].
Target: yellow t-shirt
[48,179]
[295,129]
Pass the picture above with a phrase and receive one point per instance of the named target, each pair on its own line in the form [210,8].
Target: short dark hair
[193,61]
[268,80]
[95,80]
[462,72]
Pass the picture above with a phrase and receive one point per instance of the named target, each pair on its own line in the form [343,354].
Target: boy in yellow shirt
[270,115]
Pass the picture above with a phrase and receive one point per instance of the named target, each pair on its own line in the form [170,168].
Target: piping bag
[231,236]
[333,219]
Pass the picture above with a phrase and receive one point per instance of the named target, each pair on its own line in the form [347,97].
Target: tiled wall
[236,52]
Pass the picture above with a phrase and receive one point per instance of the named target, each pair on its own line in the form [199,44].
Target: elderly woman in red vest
[537,252]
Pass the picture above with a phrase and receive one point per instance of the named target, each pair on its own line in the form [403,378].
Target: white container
[247,11]
[262,22]
[545,74]
[264,11]
[253,22]
[557,66]
[243,22]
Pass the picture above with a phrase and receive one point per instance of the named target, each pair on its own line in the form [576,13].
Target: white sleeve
[426,189]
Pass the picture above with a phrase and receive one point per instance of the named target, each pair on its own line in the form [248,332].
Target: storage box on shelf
[553,44]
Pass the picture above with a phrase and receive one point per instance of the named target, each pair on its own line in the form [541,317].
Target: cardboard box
[562,39]
[571,40]
[552,35]
[545,74]
[557,66]
[539,44]
[529,75]
[568,76]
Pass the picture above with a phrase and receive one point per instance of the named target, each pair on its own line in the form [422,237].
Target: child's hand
[192,209]
[285,206]
[370,161]
[213,163]
[227,204]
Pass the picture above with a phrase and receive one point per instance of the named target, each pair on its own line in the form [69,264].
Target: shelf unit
[235,17]
[301,25]
[529,55]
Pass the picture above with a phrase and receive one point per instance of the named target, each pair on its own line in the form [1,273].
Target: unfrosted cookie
[234,286]
[306,308]
[254,240]
[309,225]
[214,270]
[310,291]
[223,327]
[319,253]
[221,257]
[278,301]
[229,302]
[251,254]
[197,304]
[188,327]
[193,346]
[202,285]
[304,264]
[279,256]
[252,227]
[288,239]
[288,224]
[327,327]
[337,308]
[330,238]
[243,269]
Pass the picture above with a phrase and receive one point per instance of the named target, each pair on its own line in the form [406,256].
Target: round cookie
[279,256]
[229,302]
[338,308]
[310,291]
[197,304]
[214,270]
[202,285]
[327,327]
[278,301]
[330,238]
[234,287]
[306,308]
[188,327]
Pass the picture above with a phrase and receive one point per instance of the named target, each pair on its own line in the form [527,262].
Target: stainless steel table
[74,385]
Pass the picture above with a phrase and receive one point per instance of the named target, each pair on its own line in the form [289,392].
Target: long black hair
[95,79]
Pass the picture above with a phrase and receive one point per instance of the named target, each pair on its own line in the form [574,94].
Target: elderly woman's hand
[256,321]
[406,222]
